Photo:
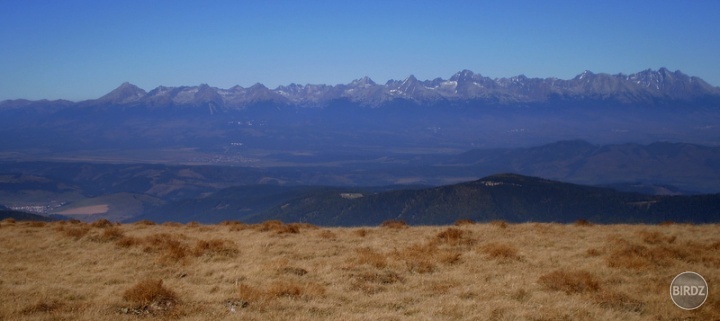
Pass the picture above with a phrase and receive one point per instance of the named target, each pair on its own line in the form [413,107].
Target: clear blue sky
[80,50]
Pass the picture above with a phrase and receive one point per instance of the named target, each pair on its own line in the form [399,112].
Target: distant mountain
[648,88]
[509,197]
[685,166]
[127,93]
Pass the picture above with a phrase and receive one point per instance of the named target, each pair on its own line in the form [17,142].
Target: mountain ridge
[647,87]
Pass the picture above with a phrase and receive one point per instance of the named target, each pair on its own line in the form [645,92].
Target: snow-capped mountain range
[648,87]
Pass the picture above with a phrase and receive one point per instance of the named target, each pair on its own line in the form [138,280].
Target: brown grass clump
[501,251]
[285,289]
[145,222]
[454,236]
[465,221]
[419,258]
[368,281]
[234,226]
[288,229]
[371,257]
[499,223]
[215,247]
[168,246]
[583,222]
[374,282]
[394,224]
[250,295]
[150,295]
[102,223]
[76,232]
[328,235]
[625,254]
[570,282]
[656,237]
[127,241]
[593,252]
[44,306]
[271,225]
[109,234]
[9,220]
[293,270]
[361,232]
[36,224]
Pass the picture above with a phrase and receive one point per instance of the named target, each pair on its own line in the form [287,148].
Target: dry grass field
[276,271]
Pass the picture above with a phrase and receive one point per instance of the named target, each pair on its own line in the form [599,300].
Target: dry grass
[275,271]
[570,282]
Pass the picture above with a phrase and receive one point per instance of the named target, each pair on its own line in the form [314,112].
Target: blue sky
[80,50]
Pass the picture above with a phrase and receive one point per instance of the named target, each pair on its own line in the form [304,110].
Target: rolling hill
[509,197]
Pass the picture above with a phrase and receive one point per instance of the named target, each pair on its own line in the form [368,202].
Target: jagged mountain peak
[463,75]
[363,82]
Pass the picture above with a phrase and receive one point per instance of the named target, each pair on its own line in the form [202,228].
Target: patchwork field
[276,271]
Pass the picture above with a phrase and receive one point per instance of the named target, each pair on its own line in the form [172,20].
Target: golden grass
[277,271]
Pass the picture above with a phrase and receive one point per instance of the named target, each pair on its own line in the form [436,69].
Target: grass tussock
[293,271]
[394,224]
[463,222]
[109,234]
[328,235]
[454,236]
[375,282]
[235,226]
[655,237]
[102,223]
[170,248]
[570,282]
[144,223]
[583,222]
[44,306]
[371,257]
[75,231]
[499,224]
[281,228]
[150,296]
[419,258]
[655,252]
[501,251]
[215,247]
[36,224]
[250,295]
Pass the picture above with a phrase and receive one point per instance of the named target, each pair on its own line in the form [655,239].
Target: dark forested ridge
[509,197]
